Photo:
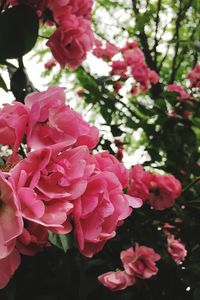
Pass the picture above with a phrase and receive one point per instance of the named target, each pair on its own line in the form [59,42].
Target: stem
[190,185]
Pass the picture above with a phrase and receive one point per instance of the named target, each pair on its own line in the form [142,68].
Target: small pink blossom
[176,249]
[164,190]
[153,77]
[177,88]
[107,52]
[140,262]
[160,191]
[8,266]
[119,68]
[70,43]
[116,281]
[13,122]
[99,211]
[194,76]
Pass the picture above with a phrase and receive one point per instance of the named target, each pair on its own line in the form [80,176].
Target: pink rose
[119,68]
[153,77]
[160,191]
[52,122]
[13,122]
[8,266]
[33,239]
[107,162]
[11,222]
[134,57]
[138,186]
[62,8]
[47,182]
[176,249]
[140,262]
[194,76]
[70,43]
[164,190]
[99,211]
[177,88]
[140,73]
[106,53]
[116,281]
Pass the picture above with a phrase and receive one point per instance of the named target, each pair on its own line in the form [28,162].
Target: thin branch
[144,40]
[157,20]
[181,14]
[190,185]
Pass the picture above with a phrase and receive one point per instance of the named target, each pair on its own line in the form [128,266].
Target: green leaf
[3,84]
[18,31]
[61,241]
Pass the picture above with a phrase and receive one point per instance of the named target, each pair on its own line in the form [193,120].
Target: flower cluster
[131,65]
[138,263]
[73,36]
[184,105]
[160,191]
[194,76]
[56,182]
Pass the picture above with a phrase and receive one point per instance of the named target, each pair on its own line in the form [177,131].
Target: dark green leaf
[18,31]
[3,84]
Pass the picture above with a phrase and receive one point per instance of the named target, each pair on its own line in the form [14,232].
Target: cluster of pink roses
[73,37]
[57,181]
[194,76]
[138,263]
[175,247]
[160,191]
[185,99]
[132,65]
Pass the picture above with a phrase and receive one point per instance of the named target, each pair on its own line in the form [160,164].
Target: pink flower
[107,162]
[140,73]
[153,77]
[11,222]
[194,76]
[106,53]
[160,191]
[116,281]
[13,122]
[33,239]
[50,64]
[176,249]
[177,88]
[164,190]
[47,182]
[138,186]
[119,68]
[62,8]
[52,122]
[140,262]
[134,57]
[70,43]
[99,211]
[8,266]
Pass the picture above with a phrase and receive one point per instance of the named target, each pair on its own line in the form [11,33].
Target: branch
[180,16]
[144,40]
[190,185]
[157,20]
